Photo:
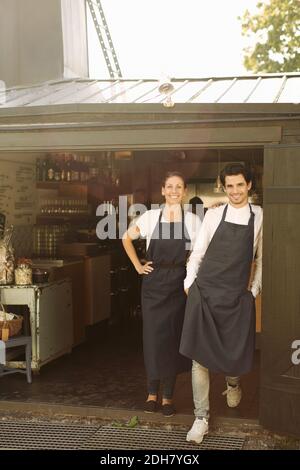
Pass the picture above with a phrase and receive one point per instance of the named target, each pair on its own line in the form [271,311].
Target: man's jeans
[200,383]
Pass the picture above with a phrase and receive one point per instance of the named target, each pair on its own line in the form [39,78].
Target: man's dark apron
[163,301]
[219,326]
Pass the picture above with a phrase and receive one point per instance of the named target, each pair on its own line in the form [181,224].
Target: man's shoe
[233,395]
[168,410]
[150,406]
[198,430]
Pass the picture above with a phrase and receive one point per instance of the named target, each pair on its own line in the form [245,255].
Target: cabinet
[51,322]
[97,288]
[73,270]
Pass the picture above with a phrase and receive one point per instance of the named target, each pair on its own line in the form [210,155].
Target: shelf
[52,219]
[58,184]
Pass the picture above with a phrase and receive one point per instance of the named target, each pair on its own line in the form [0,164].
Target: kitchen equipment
[97,288]
[87,235]
[78,249]
[40,276]
[46,239]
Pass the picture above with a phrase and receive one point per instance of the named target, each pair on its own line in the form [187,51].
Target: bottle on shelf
[38,171]
[50,169]
[75,168]
[57,170]
[62,167]
[83,169]
[44,170]
[68,168]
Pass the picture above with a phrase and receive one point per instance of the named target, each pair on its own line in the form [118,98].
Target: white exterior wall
[75,38]
[42,40]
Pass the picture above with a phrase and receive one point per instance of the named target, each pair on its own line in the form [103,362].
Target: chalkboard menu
[18,192]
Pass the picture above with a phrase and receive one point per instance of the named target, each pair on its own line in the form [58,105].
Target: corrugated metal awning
[267,88]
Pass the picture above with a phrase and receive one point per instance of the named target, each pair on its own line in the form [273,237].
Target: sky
[175,38]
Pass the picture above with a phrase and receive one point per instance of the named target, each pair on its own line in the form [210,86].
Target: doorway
[107,369]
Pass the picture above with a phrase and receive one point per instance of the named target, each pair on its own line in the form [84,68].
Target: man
[219,327]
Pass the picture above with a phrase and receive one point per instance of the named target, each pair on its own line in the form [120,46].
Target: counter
[90,277]
[50,316]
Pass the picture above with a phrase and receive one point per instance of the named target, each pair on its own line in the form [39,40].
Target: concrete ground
[103,380]
[256,438]
[107,371]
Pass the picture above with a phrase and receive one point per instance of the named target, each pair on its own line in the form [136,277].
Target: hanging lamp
[218,188]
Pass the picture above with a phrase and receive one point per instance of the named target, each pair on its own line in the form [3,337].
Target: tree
[275,32]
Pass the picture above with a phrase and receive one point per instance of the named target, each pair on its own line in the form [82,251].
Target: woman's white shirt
[148,221]
[210,224]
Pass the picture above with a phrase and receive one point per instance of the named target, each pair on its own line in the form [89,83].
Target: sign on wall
[17,192]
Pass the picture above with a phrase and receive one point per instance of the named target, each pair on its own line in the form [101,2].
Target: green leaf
[117,424]
[134,421]
[278,23]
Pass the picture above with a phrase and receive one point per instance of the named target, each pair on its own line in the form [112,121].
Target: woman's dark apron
[164,299]
[219,326]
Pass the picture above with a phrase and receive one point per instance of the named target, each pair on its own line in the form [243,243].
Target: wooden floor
[108,371]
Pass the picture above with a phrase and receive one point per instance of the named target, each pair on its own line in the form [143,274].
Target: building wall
[75,38]
[41,40]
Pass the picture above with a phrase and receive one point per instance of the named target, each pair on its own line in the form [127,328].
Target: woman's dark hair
[233,169]
[169,174]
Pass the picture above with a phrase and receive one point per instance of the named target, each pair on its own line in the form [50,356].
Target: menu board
[17,192]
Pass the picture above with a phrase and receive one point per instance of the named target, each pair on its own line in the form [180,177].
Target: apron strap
[182,223]
[224,213]
[252,215]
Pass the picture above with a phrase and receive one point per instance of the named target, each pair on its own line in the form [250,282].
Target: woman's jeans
[200,383]
[168,385]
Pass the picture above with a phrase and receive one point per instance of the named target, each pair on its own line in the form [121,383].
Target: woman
[169,233]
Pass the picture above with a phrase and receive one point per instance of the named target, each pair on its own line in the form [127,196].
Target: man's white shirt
[210,224]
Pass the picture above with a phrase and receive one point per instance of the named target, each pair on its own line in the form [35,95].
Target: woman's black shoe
[150,406]
[168,410]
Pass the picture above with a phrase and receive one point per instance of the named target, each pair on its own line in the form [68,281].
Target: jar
[23,275]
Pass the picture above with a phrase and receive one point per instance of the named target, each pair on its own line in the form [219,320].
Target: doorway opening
[105,366]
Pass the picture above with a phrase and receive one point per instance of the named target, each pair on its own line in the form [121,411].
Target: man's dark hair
[236,169]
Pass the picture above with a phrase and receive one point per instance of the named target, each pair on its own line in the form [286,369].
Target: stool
[12,343]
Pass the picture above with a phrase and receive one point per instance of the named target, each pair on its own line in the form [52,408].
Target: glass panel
[187,91]
[239,91]
[181,96]
[291,91]
[60,92]
[266,91]
[17,97]
[115,89]
[152,97]
[85,91]
[137,92]
[213,92]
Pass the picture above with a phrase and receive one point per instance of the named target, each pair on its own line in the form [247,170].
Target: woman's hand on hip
[145,268]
